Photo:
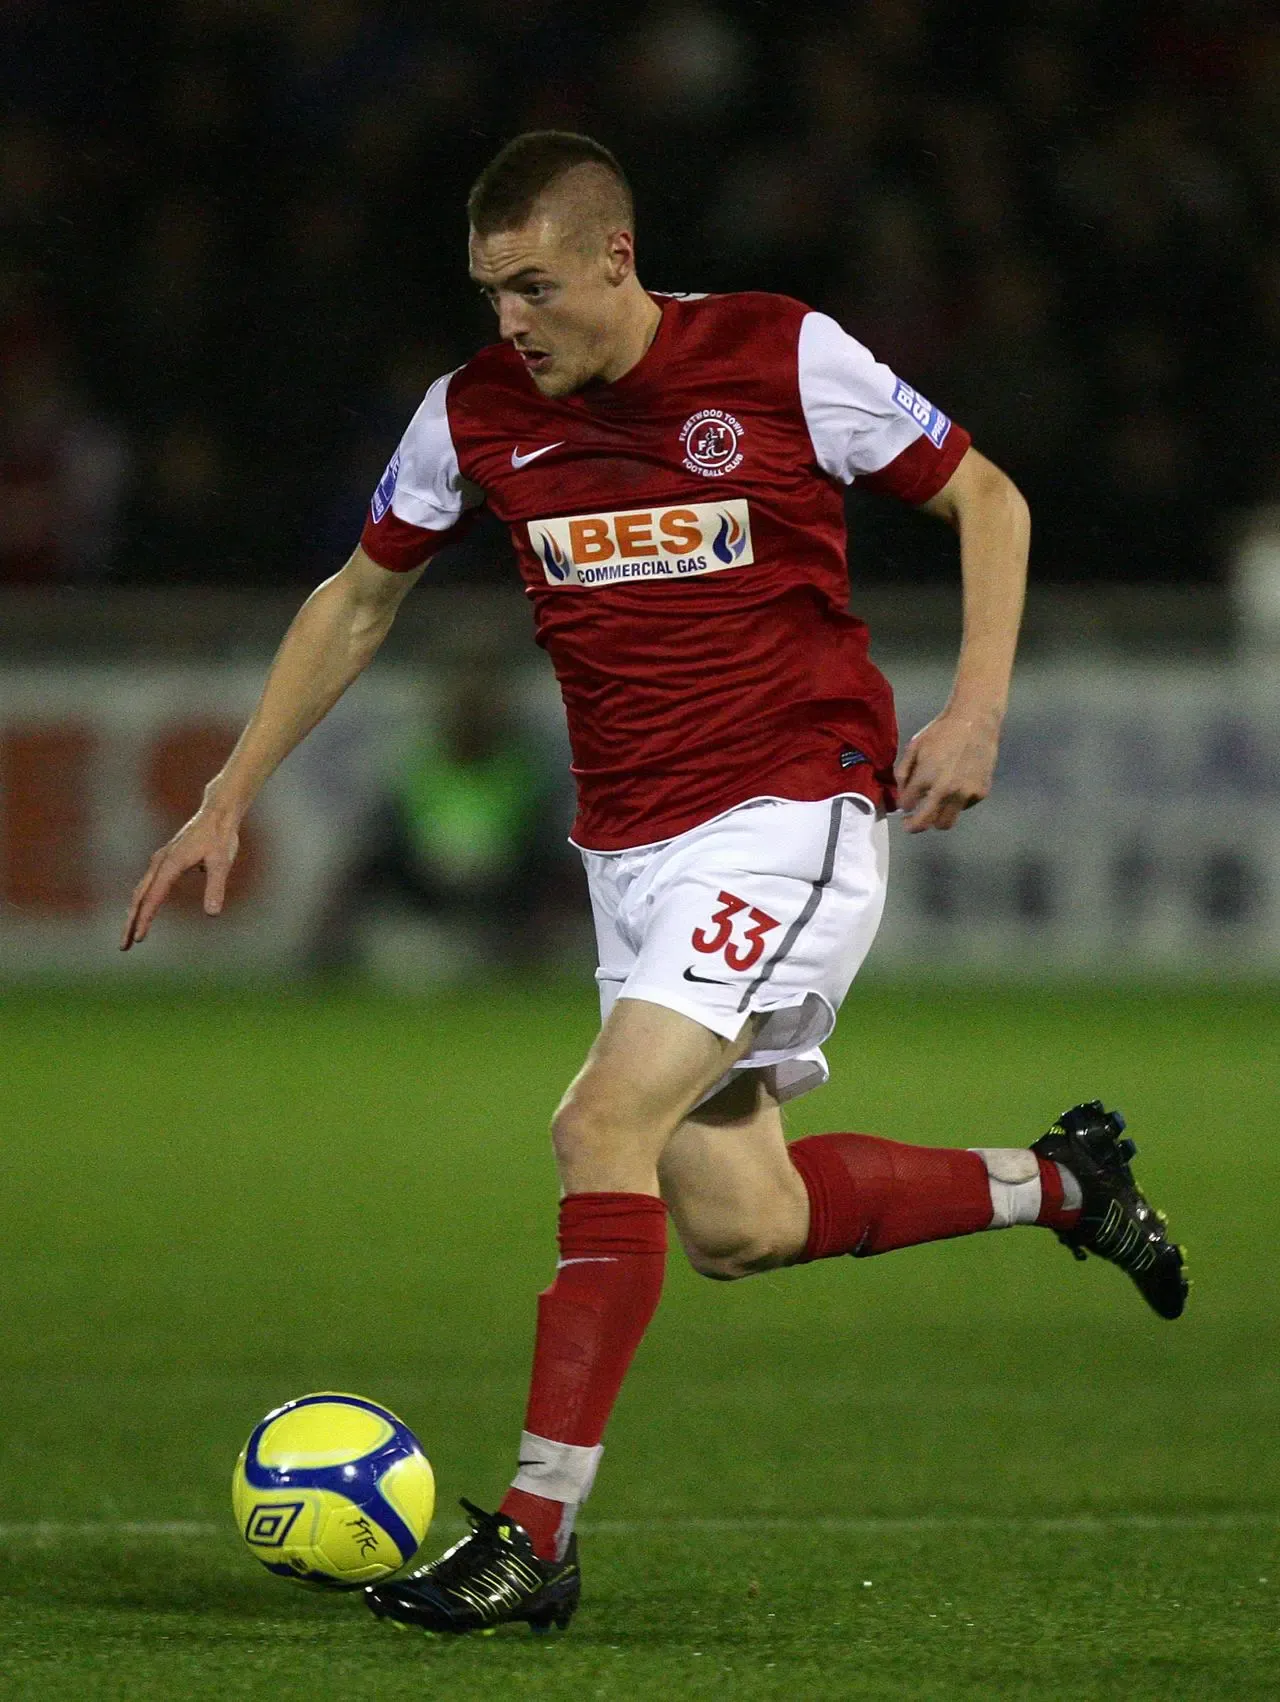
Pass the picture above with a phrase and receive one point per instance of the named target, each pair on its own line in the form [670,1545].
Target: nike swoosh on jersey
[709,980]
[518,460]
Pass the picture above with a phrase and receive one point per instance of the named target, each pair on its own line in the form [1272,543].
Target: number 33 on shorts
[744,950]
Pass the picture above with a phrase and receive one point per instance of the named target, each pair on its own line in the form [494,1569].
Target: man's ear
[620,250]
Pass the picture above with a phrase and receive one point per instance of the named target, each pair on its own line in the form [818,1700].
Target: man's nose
[513,318]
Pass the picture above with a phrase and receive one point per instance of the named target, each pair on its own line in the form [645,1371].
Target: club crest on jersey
[645,543]
[386,489]
[932,421]
[710,442]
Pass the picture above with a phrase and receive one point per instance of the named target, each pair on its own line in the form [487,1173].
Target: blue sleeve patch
[932,421]
[386,489]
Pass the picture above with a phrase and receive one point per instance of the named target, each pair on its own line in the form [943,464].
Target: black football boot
[1115,1221]
[492,1577]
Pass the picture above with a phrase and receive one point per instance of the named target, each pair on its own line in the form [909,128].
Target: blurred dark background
[232,250]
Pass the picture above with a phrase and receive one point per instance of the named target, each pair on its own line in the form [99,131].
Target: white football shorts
[769,908]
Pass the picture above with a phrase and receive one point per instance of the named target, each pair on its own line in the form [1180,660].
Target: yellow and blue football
[333,1491]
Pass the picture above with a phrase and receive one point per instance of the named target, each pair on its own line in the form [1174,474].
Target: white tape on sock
[558,1471]
[1013,1175]
[1072,1198]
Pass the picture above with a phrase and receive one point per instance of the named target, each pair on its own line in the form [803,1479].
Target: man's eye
[535,292]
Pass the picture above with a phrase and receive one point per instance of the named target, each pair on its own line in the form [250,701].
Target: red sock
[590,1321]
[868,1195]
[1053,1214]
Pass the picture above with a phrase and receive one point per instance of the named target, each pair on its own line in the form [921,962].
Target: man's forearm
[329,643]
[950,764]
[333,636]
[995,531]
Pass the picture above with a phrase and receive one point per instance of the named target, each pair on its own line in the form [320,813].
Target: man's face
[556,297]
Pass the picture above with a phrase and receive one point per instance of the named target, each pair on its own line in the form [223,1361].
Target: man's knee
[598,1145]
[579,1128]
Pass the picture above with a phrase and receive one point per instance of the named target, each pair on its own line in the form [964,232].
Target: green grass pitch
[967,1471]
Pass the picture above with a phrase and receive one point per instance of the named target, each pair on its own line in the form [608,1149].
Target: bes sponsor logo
[932,421]
[643,543]
[386,489]
[710,442]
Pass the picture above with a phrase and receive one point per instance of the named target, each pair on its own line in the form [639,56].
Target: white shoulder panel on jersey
[425,486]
[860,414]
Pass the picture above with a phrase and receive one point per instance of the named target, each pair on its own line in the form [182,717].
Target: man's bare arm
[949,765]
[332,639]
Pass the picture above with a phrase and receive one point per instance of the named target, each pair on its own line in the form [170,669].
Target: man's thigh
[737,1201]
[646,1070]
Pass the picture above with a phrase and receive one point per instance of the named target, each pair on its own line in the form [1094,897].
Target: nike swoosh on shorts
[709,980]
[518,460]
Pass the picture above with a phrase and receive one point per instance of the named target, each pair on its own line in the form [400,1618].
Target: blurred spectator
[181,523]
[465,843]
[62,468]
[1245,385]
[683,66]
[1022,392]
[175,319]
[896,294]
[1142,515]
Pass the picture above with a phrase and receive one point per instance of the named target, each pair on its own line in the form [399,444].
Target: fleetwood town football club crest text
[710,440]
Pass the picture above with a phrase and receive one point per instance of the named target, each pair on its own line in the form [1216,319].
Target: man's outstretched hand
[207,842]
[946,768]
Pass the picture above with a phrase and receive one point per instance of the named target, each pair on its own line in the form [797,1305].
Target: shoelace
[459,1561]
[479,1551]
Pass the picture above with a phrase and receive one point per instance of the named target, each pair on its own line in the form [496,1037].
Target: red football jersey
[682,536]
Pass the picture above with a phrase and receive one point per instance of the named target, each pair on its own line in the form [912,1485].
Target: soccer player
[670,468]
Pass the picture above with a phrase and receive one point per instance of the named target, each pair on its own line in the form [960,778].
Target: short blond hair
[540,162]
